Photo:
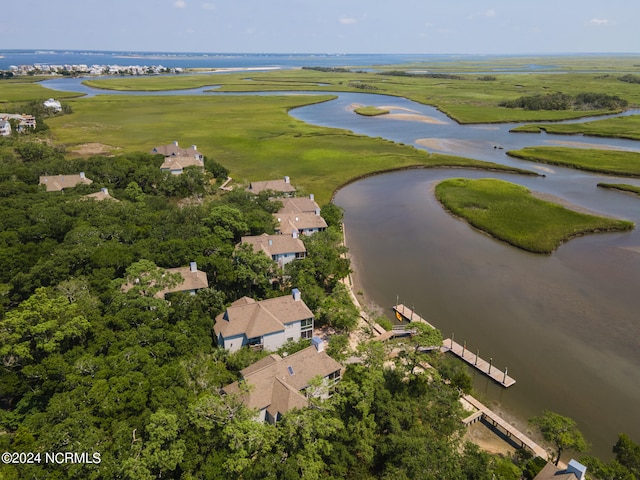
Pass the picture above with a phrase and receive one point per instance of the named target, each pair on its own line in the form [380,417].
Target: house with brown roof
[300,223]
[174,150]
[57,183]
[103,194]
[282,249]
[192,281]
[574,471]
[282,185]
[280,384]
[176,159]
[176,165]
[299,205]
[267,324]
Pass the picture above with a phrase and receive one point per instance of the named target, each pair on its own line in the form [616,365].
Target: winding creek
[566,325]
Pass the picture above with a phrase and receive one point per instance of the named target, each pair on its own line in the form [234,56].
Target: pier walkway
[449,345]
[512,433]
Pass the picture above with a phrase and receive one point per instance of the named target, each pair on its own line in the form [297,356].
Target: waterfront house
[192,281]
[282,186]
[279,384]
[57,183]
[574,471]
[174,150]
[264,324]
[300,223]
[299,205]
[282,249]
[176,165]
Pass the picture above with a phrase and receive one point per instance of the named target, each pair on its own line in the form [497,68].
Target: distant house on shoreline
[282,185]
[57,183]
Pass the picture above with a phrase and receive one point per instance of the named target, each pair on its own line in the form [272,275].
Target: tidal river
[566,325]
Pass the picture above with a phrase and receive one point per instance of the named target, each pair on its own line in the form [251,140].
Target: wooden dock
[405,313]
[512,433]
[487,368]
[478,363]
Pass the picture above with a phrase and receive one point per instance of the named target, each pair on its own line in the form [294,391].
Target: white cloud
[180,4]
[490,13]
[347,20]
[208,6]
[599,21]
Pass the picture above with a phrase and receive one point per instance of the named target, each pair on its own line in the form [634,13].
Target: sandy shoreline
[407,114]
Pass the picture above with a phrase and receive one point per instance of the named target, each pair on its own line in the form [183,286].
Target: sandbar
[407,114]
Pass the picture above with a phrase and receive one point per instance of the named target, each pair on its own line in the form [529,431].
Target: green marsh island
[513,214]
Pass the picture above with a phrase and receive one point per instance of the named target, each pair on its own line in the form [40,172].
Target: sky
[326,26]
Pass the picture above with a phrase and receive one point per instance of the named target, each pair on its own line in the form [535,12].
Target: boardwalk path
[498,422]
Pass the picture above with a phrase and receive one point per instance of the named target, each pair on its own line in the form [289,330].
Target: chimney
[294,234]
[175,143]
[297,296]
[312,197]
[287,180]
[317,211]
[270,242]
[105,190]
[318,343]
[82,175]
[193,147]
[193,266]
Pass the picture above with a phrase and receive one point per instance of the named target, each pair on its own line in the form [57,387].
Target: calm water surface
[566,325]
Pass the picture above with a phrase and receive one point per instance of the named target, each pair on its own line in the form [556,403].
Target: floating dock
[449,345]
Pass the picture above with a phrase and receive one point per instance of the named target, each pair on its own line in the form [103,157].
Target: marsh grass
[619,127]
[468,100]
[253,136]
[370,111]
[512,214]
[613,162]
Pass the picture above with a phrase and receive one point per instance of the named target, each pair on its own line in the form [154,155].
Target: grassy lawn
[467,100]
[371,111]
[251,135]
[620,127]
[512,214]
[614,162]
[623,187]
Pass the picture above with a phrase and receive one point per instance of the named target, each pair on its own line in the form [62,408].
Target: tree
[44,324]
[561,431]
[628,453]
[146,278]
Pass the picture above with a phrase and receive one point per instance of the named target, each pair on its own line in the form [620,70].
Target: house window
[306,328]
